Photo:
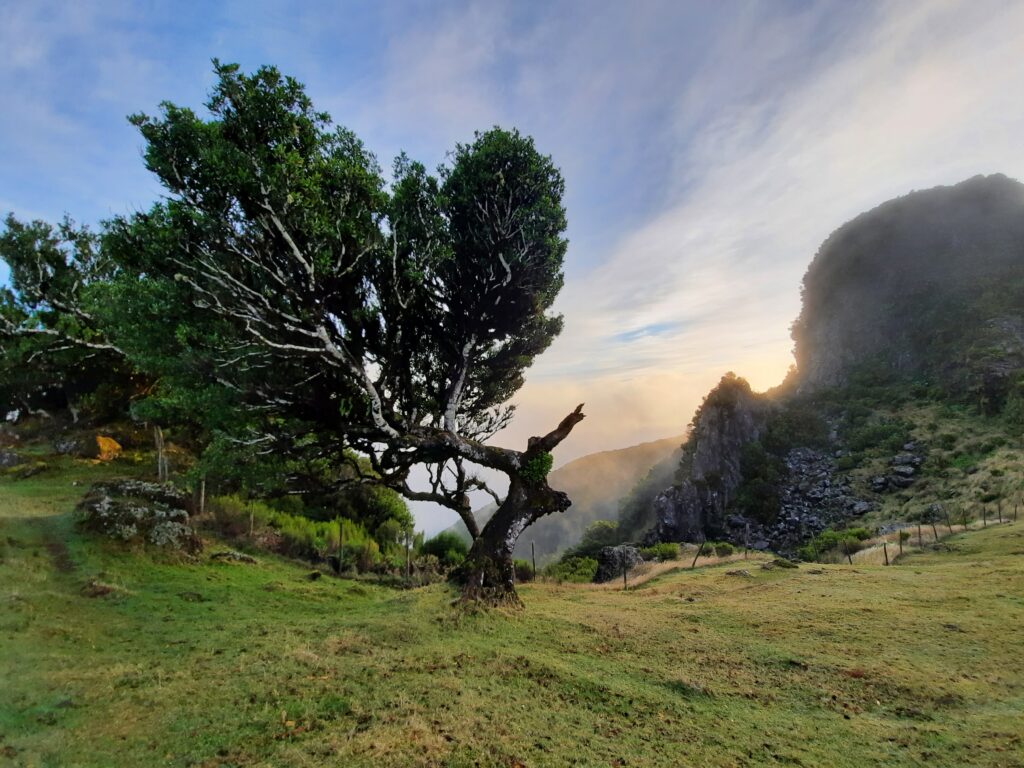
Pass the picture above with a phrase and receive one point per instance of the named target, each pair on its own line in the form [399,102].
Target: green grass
[195,663]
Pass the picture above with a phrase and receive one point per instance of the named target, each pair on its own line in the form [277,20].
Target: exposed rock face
[612,561]
[812,498]
[9,459]
[925,283]
[731,417]
[132,510]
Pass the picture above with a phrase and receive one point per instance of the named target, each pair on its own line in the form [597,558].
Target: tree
[53,351]
[396,323]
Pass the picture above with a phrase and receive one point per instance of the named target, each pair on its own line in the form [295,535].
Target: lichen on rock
[134,510]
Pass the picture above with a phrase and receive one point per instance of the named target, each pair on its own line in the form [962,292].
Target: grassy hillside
[203,664]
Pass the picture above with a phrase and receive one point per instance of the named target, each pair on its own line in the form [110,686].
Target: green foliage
[524,570]
[882,435]
[599,534]
[447,547]
[723,548]
[846,541]
[797,424]
[758,493]
[663,551]
[576,570]
[299,536]
[538,467]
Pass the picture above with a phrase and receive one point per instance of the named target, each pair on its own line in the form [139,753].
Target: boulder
[133,510]
[9,459]
[612,561]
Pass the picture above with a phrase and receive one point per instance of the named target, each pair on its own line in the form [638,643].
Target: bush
[848,541]
[524,571]
[450,548]
[724,548]
[299,536]
[663,551]
[598,535]
[578,570]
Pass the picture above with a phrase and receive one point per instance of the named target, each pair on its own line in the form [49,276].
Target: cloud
[913,96]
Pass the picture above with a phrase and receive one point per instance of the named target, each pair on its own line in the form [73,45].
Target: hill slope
[595,483]
[200,663]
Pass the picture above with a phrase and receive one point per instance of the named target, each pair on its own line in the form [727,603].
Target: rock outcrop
[133,510]
[926,284]
[812,497]
[613,561]
[731,418]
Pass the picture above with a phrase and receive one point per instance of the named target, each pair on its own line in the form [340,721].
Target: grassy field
[199,663]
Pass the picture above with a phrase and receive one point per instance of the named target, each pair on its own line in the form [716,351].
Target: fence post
[948,524]
[624,585]
[533,557]
[849,557]
[746,540]
[999,510]
[920,540]
[699,550]
[885,551]
[899,538]
[984,517]
[935,531]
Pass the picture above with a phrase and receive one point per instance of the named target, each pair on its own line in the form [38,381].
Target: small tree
[53,349]
[350,317]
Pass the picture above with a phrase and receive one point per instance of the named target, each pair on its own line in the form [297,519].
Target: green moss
[538,466]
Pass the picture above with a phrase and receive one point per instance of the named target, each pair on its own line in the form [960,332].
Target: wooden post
[948,523]
[161,455]
[252,518]
[533,557]
[935,531]
[999,510]
[899,538]
[341,544]
[920,539]
[699,550]
[984,517]
[625,586]
[202,495]
[408,556]
[746,540]
[849,557]
[885,551]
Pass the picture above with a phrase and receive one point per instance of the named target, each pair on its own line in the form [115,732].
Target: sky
[708,147]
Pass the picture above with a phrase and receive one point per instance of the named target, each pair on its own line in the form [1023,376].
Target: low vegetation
[113,657]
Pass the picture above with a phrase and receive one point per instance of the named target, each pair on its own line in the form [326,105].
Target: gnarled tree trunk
[489,570]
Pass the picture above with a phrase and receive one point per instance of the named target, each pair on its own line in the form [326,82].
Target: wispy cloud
[708,148]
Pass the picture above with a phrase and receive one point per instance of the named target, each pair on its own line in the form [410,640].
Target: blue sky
[708,147]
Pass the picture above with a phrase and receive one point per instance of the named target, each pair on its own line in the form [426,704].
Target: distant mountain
[596,483]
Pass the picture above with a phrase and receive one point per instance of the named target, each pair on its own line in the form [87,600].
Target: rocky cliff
[920,299]
[731,417]
[929,285]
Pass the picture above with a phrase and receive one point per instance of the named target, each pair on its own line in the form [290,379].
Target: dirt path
[59,554]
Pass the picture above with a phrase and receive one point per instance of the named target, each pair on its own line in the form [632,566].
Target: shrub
[662,551]
[599,534]
[578,570]
[724,548]
[450,548]
[524,571]
[848,541]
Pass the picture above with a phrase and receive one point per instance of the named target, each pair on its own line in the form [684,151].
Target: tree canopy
[288,299]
